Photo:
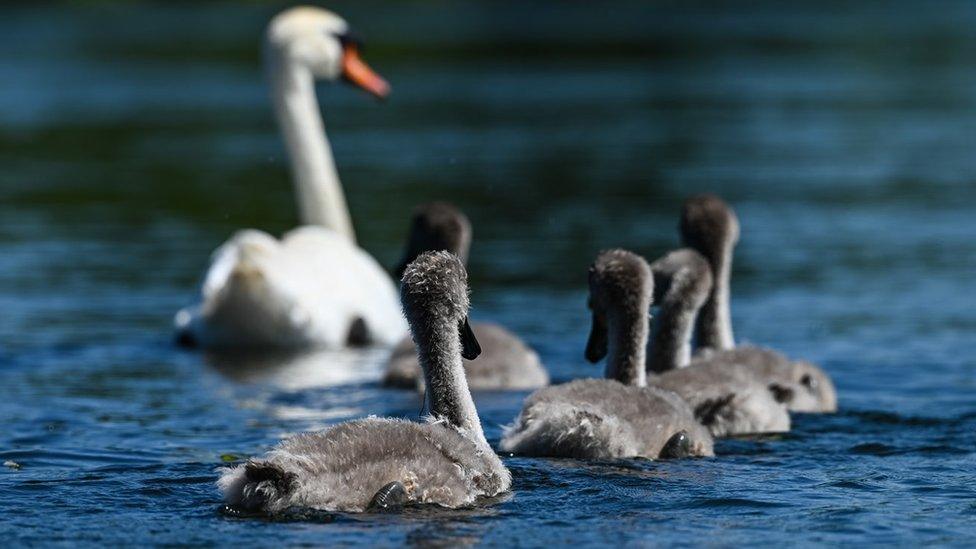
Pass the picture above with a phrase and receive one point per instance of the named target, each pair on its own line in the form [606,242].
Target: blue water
[135,139]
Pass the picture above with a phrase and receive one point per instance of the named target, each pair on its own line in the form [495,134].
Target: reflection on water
[282,380]
[134,139]
[297,371]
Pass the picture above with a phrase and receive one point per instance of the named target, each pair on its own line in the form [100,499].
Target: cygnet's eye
[809,382]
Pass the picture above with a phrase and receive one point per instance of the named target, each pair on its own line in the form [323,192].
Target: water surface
[134,140]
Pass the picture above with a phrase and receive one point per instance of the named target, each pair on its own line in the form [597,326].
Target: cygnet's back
[603,418]
[506,362]
[617,416]
[376,463]
[804,386]
[727,398]
[345,467]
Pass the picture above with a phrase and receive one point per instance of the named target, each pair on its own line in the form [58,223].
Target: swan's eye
[350,38]
[808,381]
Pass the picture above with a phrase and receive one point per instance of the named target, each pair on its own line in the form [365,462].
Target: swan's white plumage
[304,290]
[311,287]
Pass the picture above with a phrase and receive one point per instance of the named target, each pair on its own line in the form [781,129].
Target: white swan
[315,287]
[711,227]
[619,416]
[379,463]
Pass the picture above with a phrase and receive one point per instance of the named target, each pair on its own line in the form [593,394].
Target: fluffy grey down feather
[602,418]
[505,363]
[728,398]
[342,468]
[809,388]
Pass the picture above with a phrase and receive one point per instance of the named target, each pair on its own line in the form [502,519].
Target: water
[134,140]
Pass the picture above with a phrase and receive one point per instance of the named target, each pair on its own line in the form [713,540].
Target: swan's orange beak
[355,70]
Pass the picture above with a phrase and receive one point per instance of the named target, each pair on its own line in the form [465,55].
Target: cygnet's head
[813,390]
[621,286]
[434,292]
[321,42]
[685,271]
[708,225]
[437,226]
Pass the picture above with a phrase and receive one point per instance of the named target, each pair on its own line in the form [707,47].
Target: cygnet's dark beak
[470,348]
[596,345]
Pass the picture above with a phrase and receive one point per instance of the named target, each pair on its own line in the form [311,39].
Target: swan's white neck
[319,192]
[715,319]
[448,396]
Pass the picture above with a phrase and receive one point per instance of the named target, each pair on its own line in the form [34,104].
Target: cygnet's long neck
[319,192]
[627,345]
[714,326]
[448,396]
[687,281]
